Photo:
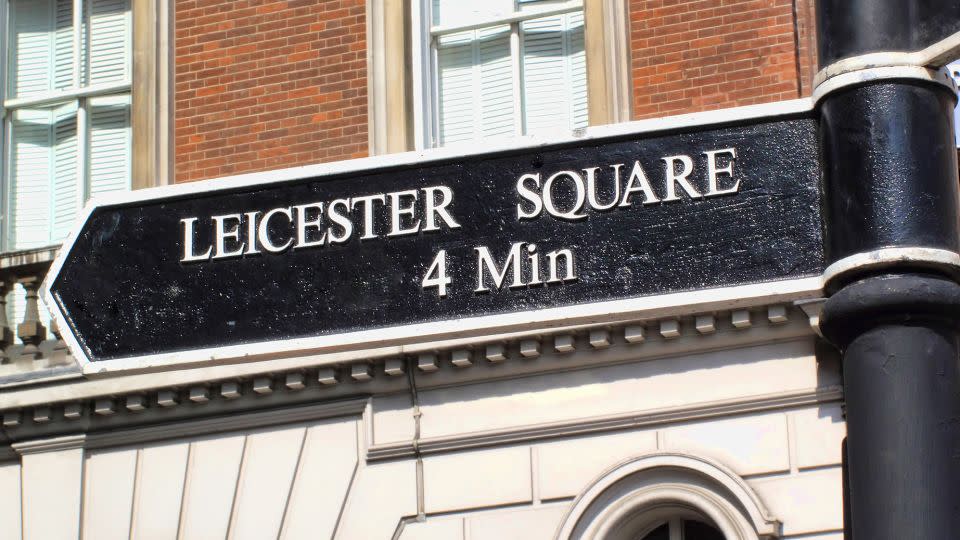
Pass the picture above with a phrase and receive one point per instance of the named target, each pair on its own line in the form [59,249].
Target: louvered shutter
[108,38]
[496,82]
[457,87]
[475,85]
[30,173]
[63,44]
[110,145]
[66,193]
[577,58]
[33,46]
[554,74]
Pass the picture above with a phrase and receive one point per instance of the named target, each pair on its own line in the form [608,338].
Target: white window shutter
[476,85]
[496,82]
[63,44]
[110,144]
[109,41]
[31,170]
[577,57]
[457,87]
[33,46]
[66,193]
[554,74]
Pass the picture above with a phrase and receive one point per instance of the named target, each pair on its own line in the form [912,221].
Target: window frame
[81,95]
[425,65]
[396,61]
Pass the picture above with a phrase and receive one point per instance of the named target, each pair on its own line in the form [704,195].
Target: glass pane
[110,144]
[697,530]
[527,5]
[107,35]
[496,82]
[456,85]
[44,187]
[554,74]
[41,46]
[475,85]
[459,12]
[660,533]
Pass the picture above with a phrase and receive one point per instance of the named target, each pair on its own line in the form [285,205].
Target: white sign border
[599,312]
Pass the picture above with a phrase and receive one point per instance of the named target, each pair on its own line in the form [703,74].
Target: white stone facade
[528,447]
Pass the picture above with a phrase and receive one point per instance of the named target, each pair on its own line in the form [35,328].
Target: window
[66,106]
[504,68]
[683,529]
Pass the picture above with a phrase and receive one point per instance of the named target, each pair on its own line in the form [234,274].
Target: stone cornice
[102,405]
[67,442]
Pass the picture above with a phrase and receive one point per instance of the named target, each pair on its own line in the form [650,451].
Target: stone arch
[622,501]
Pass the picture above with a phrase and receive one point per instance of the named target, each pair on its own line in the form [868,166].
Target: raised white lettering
[263,231]
[673,177]
[433,209]
[340,220]
[367,202]
[638,182]
[303,223]
[573,213]
[221,234]
[713,171]
[397,211]
[485,262]
[529,195]
[188,254]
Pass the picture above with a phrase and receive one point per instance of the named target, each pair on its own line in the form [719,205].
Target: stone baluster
[31,331]
[60,354]
[6,335]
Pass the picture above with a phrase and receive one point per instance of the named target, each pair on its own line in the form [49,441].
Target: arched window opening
[682,526]
[667,521]
[668,496]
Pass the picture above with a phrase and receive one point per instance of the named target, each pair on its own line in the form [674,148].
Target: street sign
[438,244]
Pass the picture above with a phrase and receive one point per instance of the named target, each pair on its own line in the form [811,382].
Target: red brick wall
[693,55]
[264,85]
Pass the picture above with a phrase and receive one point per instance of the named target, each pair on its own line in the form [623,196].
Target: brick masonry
[265,85]
[693,55]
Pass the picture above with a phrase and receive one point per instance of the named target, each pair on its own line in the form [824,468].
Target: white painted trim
[872,74]
[376,89]
[5,123]
[606,423]
[747,519]
[935,56]
[66,442]
[57,96]
[882,258]
[516,16]
[719,298]
[422,75]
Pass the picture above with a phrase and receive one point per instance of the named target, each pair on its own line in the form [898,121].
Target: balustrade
[28,348]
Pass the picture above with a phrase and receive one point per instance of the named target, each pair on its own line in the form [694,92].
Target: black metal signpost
[860,190]
[891,187]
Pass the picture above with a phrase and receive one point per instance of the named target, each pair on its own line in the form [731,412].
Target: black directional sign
[413,248]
